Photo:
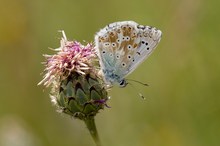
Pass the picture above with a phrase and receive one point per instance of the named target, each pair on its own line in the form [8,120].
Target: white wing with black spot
[122,46]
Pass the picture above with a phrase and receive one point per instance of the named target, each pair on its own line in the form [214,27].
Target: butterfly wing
[146,41]
[111,44]
[122,46]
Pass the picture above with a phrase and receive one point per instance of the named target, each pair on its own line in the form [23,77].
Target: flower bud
[77,87]
[80,95]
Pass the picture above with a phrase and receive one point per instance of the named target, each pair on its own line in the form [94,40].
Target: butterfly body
[122,46]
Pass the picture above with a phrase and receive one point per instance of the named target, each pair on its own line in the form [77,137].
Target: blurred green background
[182,106]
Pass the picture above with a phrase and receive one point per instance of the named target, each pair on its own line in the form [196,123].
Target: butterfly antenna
[136,90]
[138,82]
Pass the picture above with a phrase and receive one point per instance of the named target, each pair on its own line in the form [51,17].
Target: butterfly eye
[129,47]
[123,38]
[123,64]
[127,38]
[122,83]
[113,44]
[117,56]
[103,52]
[118,40]
[148,48]
[129,57]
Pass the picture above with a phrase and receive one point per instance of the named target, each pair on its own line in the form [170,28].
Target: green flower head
[73,74]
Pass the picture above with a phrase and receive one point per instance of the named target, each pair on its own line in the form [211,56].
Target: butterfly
[122,47]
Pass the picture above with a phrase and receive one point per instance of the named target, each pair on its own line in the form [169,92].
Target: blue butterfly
[122,46]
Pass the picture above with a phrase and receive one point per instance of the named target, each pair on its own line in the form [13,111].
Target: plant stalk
[90,123]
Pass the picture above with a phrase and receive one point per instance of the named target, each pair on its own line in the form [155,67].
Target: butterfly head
[114,79]
[123,83]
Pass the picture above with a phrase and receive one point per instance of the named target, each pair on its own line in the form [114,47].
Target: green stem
[90,123]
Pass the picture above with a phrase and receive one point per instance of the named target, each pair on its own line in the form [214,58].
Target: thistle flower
[77,89]
[70,57]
